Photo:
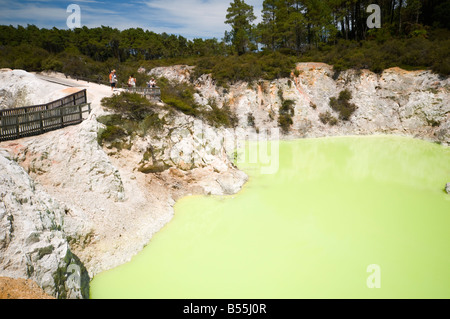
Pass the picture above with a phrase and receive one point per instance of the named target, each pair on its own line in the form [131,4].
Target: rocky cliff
[32,241]
[410,103]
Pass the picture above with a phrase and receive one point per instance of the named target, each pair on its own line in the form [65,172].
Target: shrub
[132,105]
[327,118]
[343,106]
[285,122]
[113,119]
[136,115]
[180,96]
[247,67]
[110,134]
[250,120]
[220,116]
[151,122]
[286,113]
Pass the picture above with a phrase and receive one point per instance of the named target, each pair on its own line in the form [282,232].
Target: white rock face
[19,88]
[74,160]
[179,73]
[32,241]
[412,103]
[187,144]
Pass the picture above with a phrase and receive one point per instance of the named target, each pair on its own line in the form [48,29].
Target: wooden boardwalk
[153,94]
[38,119]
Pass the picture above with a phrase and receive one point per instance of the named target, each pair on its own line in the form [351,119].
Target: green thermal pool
[335,207]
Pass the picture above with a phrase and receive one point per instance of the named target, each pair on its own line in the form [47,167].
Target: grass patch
[286,113]
[111,133]
[179,96]
[134,115]
[220,117]
[327,118]
[343,106]
[131,105]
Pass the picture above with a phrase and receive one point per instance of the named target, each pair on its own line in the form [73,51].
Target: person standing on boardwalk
[113,79]
[132,81]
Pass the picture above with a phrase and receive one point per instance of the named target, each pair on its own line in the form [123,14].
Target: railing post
[17,126]
[61,113]
[1,124]
[80,109]
[41,122]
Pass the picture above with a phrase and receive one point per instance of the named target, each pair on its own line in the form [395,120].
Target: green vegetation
[134,115]
[286,113]
[343,106]
[247,67]
[250,120]
[410,53]
[131,105]
[327,118]
[220,116]
[180,96]
[111,134]
[240,16]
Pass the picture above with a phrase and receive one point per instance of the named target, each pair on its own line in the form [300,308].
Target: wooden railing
[150,93]
[38,119]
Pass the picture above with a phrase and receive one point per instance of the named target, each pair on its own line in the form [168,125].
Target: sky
[189,18]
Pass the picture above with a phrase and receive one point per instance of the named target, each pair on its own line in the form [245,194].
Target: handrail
[152,92]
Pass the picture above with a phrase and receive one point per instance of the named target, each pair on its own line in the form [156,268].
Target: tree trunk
[344,30]
[392,11]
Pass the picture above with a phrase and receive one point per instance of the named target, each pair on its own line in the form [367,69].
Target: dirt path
[96,92]
[21,289]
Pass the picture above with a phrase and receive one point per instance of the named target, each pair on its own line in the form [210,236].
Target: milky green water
[336,206]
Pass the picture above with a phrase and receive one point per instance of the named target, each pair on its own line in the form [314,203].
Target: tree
[319,20]
[240,16]
[267,28]
[283,24]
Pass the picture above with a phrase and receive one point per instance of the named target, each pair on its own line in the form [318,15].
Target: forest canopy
[414,34]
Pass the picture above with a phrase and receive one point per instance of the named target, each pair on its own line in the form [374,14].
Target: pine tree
[283,24]
[268,27]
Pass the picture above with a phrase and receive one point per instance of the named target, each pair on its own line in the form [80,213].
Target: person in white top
[152,83]
[132,81]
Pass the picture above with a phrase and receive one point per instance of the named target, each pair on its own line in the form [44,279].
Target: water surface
[336,206]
